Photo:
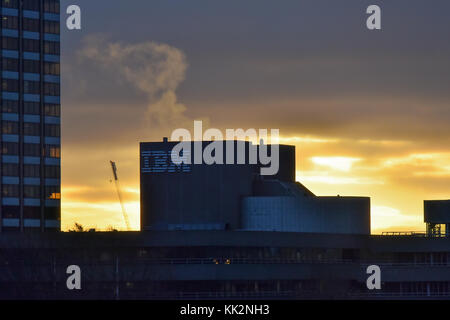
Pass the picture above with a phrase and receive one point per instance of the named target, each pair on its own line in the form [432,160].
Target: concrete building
[30,116]
[238,197]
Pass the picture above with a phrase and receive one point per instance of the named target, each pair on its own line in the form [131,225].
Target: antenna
[119,194]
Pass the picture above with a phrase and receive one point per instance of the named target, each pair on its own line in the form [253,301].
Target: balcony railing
[224,261]
[415,234]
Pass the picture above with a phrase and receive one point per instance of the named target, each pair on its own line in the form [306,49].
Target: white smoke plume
[156,69]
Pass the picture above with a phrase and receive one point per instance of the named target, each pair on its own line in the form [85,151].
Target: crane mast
[119,194]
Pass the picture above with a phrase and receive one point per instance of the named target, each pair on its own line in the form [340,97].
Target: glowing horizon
[368,113]
[324,175]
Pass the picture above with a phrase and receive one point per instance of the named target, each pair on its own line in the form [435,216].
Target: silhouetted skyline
[367,110]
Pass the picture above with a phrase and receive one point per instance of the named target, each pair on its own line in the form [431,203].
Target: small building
[437,217]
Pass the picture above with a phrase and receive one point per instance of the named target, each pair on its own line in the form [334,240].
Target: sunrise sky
[368,111]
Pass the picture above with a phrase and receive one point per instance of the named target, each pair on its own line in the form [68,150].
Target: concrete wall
[296,214]
[199,196]
[191,197]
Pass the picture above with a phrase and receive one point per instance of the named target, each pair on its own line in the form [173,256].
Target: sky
[368,111]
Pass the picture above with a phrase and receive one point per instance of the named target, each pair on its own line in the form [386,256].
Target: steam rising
[156,69]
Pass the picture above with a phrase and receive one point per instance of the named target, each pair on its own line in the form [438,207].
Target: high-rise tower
[30,110]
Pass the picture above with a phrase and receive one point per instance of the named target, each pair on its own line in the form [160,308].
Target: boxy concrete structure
[237,197]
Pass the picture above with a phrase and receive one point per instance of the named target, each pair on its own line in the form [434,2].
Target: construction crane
[119,194]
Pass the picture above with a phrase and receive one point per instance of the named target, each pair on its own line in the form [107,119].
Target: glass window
[51,47]
[53,172]
[10,43]
[31,45]
[10,212]
[31,66]
[10,22]
[10,106]
[52,130]
[52,151]
[51,6]
[32,170]
[52,110]
[51,89]
[10,64]
[31,108]
[32,129]
[10,4]
[32,212]
[52,68]
[52,213]
[31,25]
[10,170]
[10,85]
[31,149]
[31,5]
[33,87]
[10,190]
[51,27]
[10,127]
[32,192]
[52,192]
[10,148]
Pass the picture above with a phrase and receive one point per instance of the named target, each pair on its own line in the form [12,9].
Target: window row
[31,87]
[31,45]
[13,212]
[29,129]
[29,66]
[33,192]
[12,106]
[51,6]
[31,150]
[12,22]
[30,171]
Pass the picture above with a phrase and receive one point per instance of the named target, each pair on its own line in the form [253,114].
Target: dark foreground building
[212,232]
[223,264]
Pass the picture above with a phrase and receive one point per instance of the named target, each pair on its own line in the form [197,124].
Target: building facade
[237,197]
[222,264]
[30,110]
